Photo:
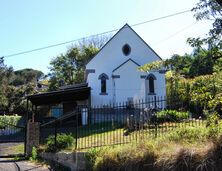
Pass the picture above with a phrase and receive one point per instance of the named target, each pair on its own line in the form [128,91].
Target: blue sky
[30,24]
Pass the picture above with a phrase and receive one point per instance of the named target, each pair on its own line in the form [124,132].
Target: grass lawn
[108,133]
[102,134]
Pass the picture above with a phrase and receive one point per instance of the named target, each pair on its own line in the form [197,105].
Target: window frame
[103,84]
[151,84]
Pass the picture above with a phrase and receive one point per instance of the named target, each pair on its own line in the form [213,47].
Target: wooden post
[32,111]
[76,143]
[32,138]
[27,111]
[55,132]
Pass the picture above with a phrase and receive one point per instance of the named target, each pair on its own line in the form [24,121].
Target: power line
[176,33]
[167,16]
[74,40]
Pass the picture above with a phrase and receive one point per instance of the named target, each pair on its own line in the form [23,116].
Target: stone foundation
[75,161]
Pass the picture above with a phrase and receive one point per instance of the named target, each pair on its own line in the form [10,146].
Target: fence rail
[117,123]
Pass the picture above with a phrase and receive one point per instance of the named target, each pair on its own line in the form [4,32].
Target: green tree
[199,62]
[16,100]
[202,64]
[210,10]
[196,78]
[68,68]
[180,64]
[25,76]
[14,86]
[6,73]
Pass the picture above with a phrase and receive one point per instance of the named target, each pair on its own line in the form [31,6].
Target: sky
[31,24]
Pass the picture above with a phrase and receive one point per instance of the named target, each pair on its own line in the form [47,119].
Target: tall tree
[68,68]
[211,10]
[25,76]
[6,73]
[14,85]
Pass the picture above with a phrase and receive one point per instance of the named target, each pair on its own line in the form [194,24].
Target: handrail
[60,118]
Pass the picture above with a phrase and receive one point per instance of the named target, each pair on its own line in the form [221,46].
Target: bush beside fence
[9,119]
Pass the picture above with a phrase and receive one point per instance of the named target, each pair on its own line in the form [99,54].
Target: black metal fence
[12,139]
[11,133]
[117,123]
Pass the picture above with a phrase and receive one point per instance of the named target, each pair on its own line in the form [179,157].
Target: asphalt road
[10,148]
[10,165]
[7,164]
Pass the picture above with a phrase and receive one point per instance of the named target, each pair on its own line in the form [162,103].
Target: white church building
[113,73]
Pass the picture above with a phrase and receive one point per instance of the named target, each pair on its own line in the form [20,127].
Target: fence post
[55,132]
[155,105]
[76,143]
[25,142]
[155,124]
[32,136]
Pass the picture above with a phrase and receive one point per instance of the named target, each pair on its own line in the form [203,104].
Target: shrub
[128,157]
[63,141]
[216,104]
[171,116]
[208,158]
[12,119]
[161,154]
[91,156]
[214,125]
[34,154]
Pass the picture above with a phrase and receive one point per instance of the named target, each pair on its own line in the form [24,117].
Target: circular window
[126,49]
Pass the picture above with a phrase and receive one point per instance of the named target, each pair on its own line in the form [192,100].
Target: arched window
[103,77]
[151,85]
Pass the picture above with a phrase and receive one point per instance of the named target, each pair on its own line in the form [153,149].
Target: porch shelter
[54,104]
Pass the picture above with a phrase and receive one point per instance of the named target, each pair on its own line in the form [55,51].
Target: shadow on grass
[81,131]
[98,128]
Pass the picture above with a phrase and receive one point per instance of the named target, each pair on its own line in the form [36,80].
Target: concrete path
[10,165]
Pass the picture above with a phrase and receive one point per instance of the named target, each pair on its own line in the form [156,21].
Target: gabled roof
[125,63]
[73,86]
[144,42]
[74,93]
[126,26]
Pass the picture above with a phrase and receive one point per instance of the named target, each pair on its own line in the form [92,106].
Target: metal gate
[12,140]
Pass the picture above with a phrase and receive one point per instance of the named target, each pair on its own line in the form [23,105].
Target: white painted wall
[129,85]
[110,57]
